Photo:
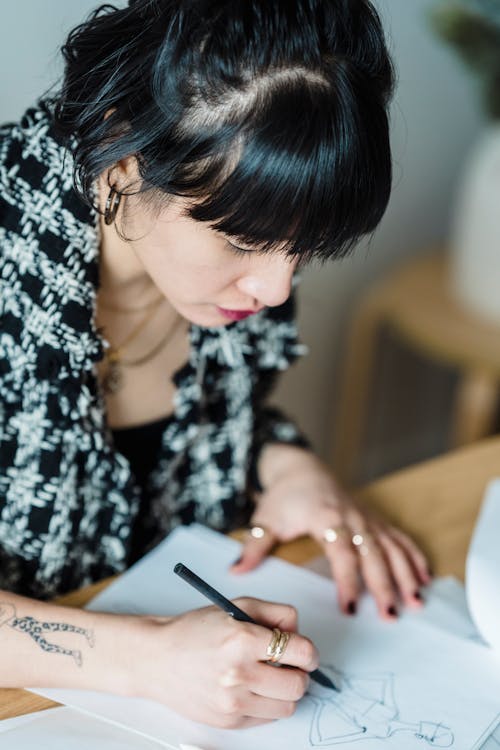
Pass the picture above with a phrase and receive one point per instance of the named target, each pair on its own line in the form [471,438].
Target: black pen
[220,601]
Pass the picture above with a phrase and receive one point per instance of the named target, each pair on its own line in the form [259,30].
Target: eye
[239,250]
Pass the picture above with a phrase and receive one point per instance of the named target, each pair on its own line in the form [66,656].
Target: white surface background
[436,117]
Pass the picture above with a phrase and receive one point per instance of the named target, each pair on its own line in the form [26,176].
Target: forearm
[47,645]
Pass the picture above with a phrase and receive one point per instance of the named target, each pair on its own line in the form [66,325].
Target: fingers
[251,689]
[345,570]
[268,680]
[248,643]
[269,614]
[403,572]
[261,691]
[239,702]
[378,579]
[259,544]
[415,555]
[384,559]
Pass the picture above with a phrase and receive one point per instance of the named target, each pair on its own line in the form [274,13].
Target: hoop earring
[112,205]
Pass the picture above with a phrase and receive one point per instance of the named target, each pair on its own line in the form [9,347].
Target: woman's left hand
[303,498]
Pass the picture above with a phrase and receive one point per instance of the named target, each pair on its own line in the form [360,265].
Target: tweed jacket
[68,498]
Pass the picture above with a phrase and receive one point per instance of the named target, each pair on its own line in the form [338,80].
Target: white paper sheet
[17,721]
[406,684]
[67,729]
[483,568]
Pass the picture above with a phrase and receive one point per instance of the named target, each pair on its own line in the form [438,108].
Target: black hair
[271,115]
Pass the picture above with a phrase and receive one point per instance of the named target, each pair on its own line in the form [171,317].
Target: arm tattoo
[36,630]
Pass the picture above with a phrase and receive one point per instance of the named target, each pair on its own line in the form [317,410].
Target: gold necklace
[112,380]
[155,350]
[129,310]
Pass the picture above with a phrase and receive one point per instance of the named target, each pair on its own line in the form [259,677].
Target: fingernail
[417,595]
[237,562]
[392,611]
[351,608]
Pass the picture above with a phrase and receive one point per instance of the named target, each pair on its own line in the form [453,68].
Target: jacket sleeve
[278,347]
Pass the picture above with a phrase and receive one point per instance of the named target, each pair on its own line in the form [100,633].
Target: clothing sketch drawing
[365,708]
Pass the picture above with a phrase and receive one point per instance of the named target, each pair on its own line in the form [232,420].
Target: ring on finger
[277,646]
[281,648]
[258,532]
[333,533]
[271,649]
[363,542]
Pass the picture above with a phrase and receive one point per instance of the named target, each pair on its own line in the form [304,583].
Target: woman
[146,310]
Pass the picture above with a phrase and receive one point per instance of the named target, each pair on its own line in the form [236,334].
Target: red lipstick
[236,314]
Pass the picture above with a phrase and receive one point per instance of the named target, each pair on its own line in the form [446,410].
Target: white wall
[435,119]
[31,32]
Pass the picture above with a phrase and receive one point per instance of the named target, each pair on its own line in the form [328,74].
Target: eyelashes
[302,261]
[240,251]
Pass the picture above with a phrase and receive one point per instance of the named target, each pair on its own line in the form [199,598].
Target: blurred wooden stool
[417,304]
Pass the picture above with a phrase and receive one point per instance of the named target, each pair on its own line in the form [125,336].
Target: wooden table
[416,302]
[436,502]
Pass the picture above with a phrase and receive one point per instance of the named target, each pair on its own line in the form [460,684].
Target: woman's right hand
[211,668]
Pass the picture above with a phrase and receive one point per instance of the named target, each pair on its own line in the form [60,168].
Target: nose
[269,281]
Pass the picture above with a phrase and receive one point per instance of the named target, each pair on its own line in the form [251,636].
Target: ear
[124,174]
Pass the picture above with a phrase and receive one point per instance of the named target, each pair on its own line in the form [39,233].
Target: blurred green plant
[473,28]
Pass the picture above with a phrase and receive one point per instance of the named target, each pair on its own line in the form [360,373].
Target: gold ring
[277,646]
[362,542]
[271,649]
[334,533]
[280,649]
[258,532]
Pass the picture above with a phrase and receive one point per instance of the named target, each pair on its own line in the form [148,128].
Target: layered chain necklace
[114,358]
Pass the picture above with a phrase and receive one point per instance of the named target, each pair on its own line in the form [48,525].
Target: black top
[142,446]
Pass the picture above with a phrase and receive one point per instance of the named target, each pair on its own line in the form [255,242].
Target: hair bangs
[300,181]
[269,117]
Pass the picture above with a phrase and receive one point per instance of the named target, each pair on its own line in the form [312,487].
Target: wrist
[281,459]
[139,647]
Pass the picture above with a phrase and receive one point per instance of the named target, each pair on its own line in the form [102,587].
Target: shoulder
[28,150]
[48,248]
[36,178]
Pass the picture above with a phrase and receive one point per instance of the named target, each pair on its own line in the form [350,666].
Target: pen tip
[324,680]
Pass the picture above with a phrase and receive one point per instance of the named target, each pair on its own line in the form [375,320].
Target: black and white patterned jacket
[67,497]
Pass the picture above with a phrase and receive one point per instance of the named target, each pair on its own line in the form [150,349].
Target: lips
[236,314]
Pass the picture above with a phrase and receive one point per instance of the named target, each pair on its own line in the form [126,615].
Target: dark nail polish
[392,611]
[351,608]
[237,562]
[417,595]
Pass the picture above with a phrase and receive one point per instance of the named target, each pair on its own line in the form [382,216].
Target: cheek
[185,275]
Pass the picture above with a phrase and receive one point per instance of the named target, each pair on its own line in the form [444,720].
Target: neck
[122,275]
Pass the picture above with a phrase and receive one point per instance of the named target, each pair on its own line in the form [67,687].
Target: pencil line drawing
[490,739]
[365,708]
